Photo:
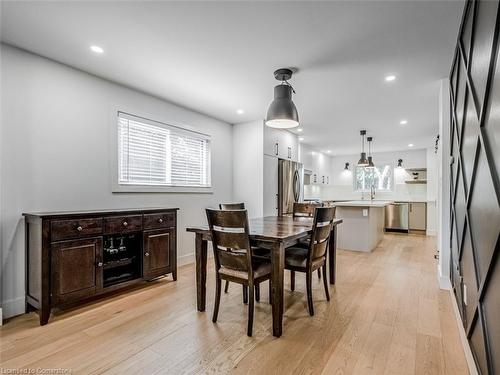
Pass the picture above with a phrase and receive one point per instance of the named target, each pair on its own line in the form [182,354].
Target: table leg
[277,280]
[332,256]
[201,271]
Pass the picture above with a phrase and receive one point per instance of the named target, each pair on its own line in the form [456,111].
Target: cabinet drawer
[159,220]
[74,228]
[121,224]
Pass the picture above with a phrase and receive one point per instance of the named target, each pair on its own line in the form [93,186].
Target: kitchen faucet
[372,192]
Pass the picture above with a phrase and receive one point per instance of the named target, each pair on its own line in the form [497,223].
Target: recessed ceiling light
[301,138]
[403,122]
[299,129]
[390,78]
[328,151]
[410,145]
[96,49]
[240,111]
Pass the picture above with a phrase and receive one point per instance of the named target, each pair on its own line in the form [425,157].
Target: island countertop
[363,203]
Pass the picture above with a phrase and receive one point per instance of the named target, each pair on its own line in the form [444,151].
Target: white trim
[463,338]
[13,307]
[1,317]
[183,260]
[444,281]
[430,233]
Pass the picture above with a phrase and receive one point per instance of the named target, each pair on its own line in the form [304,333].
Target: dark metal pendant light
[363,161]
[282,113]
[370,158]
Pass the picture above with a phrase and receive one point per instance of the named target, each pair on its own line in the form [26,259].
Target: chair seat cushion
[260,269]
[296,257]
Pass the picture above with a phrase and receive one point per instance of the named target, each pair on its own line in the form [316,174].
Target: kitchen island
[363,226]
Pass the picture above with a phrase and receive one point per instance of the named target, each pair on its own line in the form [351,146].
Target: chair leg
[245,294]
[309,292]
[250,309]
[218,284]
[257,292]
[325,283]
[270,292]
[292,280]
[226,288]
[319,273]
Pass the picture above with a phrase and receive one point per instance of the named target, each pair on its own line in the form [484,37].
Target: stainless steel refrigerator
[290,185]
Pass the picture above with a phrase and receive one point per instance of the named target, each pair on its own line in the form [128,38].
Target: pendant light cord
[287,83]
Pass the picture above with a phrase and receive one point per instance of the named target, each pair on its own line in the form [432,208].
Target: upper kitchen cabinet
[316,162]
[280,143]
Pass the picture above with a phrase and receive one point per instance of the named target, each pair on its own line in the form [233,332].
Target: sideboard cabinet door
[159,252]
[76,269]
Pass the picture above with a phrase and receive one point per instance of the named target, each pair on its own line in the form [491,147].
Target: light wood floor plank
[386,316]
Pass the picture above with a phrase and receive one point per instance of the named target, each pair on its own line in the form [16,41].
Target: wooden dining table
[272,232]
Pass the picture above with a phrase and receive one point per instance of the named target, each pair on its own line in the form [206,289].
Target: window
[380,178]
[154,154]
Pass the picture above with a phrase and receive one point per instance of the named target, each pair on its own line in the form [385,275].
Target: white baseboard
[444,281]
[190,258]
[13,307]
[1,317]
[463,338]
[430,233]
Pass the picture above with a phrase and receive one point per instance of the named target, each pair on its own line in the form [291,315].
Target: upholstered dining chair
[313,257]
[233,256]
[258,252]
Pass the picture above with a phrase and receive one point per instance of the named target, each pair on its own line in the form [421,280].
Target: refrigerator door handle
[296,186]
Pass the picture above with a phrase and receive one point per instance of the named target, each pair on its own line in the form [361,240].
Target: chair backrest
[304,209]
[232,206]
[322,228]
[230,239]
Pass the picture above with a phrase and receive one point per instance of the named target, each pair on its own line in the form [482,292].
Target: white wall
[432,191]
[55,154]
[443,225]
[341,187]
[248,166]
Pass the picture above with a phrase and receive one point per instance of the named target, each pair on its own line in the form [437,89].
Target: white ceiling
[217,57]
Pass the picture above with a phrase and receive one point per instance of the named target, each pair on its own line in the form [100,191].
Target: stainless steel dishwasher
[396,217]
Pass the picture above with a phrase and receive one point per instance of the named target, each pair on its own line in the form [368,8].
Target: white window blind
[155,154]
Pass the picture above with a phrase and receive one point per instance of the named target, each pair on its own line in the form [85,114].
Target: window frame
[354,181]
[116,187]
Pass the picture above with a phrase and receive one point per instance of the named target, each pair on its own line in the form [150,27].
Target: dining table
[275,233]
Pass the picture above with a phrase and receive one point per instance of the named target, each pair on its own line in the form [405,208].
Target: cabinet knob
[125,223]
[79,228]
[160,220]
[99,264]
[146,254]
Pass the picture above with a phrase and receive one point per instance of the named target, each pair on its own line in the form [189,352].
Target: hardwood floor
[386,316]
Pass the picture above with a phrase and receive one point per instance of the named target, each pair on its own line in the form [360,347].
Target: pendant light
[346,166]
[370,158]
[400,163]
[282,113]
[363,162]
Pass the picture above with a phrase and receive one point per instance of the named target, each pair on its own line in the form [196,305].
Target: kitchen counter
[363,226]
[363,203]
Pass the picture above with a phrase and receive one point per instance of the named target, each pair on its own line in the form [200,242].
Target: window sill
[162,189]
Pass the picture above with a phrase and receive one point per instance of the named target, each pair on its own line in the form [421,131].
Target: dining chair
[311,258]
[258,252]
[305,209]
[233,256]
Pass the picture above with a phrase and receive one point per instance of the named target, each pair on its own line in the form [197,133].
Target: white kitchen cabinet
[280,143]
[270,186]
[320,168]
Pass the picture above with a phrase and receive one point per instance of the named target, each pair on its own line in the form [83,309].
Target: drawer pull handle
[160,220]
[79,228]
[99,264]
[146,254]
[125,223]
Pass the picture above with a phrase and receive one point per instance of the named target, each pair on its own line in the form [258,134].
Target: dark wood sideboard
[76,256]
